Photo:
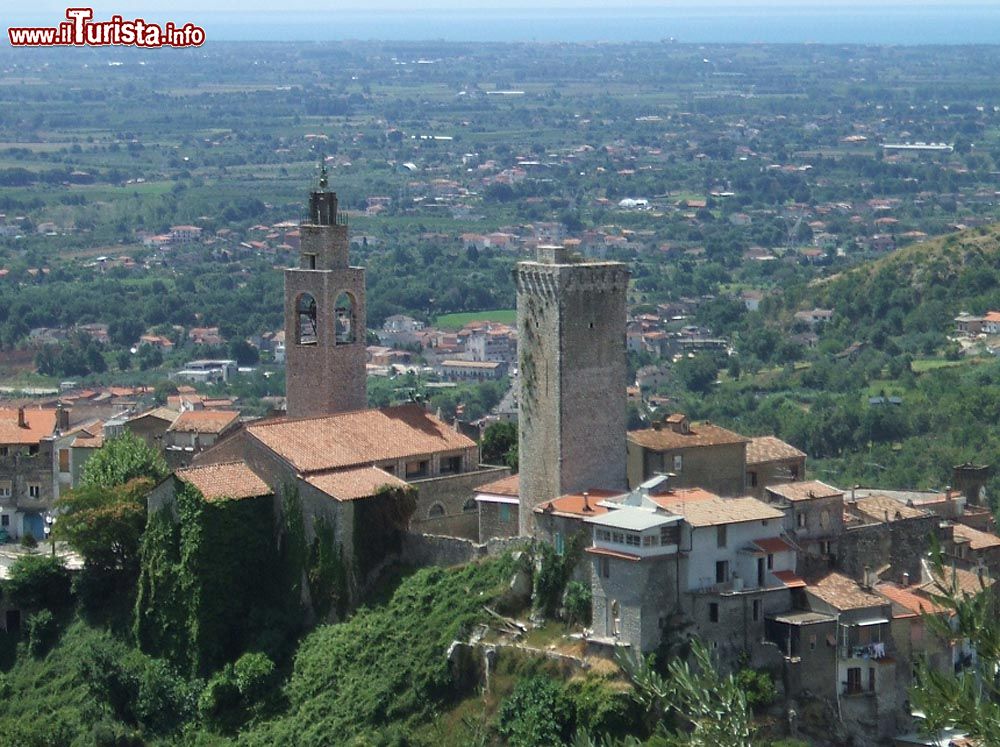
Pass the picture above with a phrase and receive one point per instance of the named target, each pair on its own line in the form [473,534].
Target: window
[720,535]
[436,511]
[504,513]
[469,505]
[603,535]
[4,451]
[770,562]
[560,543]
[451,465]
[871,679]
[618,537]
[650,540]
[825,547]
[35,490]
[800,520]
[390,468]
[416,469]
[721,571]
[632,539]
[5,520]
[64,460]
[678,463]
[794,471]
[853,680]
[605,568]
[5,488]
[752,479]
[713,612]
[824,519]
[310,261]
[756,610]
[33,450]
[669,535]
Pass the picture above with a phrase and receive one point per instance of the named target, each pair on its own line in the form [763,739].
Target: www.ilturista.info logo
[79,30]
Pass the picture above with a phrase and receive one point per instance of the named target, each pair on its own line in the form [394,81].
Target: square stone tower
[324,317]
[571,349]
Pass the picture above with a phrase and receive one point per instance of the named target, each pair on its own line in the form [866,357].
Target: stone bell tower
[324,316]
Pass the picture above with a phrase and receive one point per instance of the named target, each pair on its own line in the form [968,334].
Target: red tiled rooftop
[789,579]
[508,486]
[39,424]
[764,449]
[226,480]
[351,439]
[572,504]
[773,545]
[204,421]
[352,484]
[804,491]
[699,434]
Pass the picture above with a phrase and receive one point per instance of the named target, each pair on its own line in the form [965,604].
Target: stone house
[404,442]
[814,519]
[721,563]
[27,485]
[695,455]
[195,431]
[497,504]
[771,461]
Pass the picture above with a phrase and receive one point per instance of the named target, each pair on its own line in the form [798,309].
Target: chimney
[586,502]
[21,420]
[62,418]
[867,580]
[906,579]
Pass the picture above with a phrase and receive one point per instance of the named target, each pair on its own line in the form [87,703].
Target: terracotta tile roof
[226,480]
[764,449]
[204,421]
[804,491]
[789,579]
[682,495]
[977,540]
[878,507]
[908,599]
[40,423]
[161,413]
[967,582]
[504,486]
[351,484]
[843,593]
[714,511]
[701,434]
[571,504]
[773,545]
[361,437]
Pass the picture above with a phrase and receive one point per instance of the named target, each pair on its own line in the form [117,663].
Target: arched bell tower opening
[306,327]
[345,320]
[324,316]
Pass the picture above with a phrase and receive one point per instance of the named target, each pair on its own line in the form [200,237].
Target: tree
[105,524]
[536,713]
[698,373]
[121,459]
[244,353]
[969,700]
[499,444]
[38,582]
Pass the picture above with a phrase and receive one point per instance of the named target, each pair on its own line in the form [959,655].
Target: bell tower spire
[324,315]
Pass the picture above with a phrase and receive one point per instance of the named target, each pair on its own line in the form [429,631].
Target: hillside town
[827,587]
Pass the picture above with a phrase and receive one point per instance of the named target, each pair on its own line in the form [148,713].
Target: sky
[831,21]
